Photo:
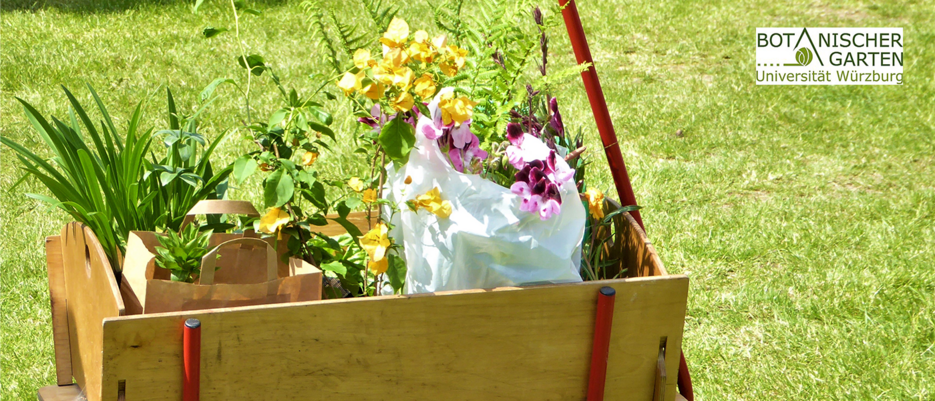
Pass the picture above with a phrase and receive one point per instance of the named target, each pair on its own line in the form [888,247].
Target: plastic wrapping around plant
[487,241]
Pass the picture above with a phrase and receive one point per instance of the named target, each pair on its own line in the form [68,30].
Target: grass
[803,215]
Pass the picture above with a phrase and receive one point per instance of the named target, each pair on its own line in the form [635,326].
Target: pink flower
[549,208]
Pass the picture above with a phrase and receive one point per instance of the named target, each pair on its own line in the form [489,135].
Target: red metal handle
[191,358]
[605,127]
[603,322]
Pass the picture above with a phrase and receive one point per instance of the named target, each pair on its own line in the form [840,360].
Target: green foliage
[98,185]
[181,253]
[397,138]
[380,14]
[184,176]
[108,184]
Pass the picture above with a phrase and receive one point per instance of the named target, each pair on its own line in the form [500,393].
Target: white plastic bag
[487,241]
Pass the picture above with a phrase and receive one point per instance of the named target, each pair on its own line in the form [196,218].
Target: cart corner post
[605,128]
[191,346]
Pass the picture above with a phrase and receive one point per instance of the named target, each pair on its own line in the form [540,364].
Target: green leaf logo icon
[803,56]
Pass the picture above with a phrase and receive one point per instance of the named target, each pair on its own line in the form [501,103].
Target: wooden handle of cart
[210,260]
[219,206]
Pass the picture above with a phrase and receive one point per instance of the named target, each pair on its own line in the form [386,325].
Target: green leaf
[279,189]
[321,128]
[423,109]
[397,139]
[336,267]
[277,117]
[343,209]
[396,272]
[244,167]
[316,195]
[622,209]
[211,31]
[255,62]
[318,220]
[322,115]
[206,93]
[352,202]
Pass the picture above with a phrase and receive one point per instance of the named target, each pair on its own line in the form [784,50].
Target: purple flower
[556,120]
[542,172]
[461,145]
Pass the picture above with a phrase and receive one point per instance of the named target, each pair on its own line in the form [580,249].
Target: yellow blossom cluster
[432,201]
[393,78]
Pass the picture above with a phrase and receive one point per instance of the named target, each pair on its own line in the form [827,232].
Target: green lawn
[805,216]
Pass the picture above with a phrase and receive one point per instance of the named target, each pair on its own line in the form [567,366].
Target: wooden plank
[358,219]
[61,393]
[92,295]
[53,258]
[503,344]
[638,252]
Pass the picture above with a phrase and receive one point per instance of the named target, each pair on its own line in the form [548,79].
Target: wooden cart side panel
[504,344]
[641,257]
[53,257]
[92,296]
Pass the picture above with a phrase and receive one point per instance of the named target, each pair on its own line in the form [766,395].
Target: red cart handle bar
[605,128]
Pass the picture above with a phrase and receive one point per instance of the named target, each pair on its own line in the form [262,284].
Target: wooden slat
[92,295]
[53,257]
[505,344]
[60,393]
[638,252]
[358,219]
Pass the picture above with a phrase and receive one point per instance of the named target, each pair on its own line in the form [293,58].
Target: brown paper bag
[250,273]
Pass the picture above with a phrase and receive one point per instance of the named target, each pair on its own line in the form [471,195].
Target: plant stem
[243,57]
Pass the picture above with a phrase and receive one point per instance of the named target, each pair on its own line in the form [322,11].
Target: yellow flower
[308,158]
[274,219]
[370,195]
[432,201]
[350,82]
[448,68]
[388,74]
[403,102]
[396,58]
[362,58]
[396,34]
[380,266]
[439,41]
[425,86]
[374,91]
[457,55]
[454,109]
[375,242]
[422,52]
[356,184]
[420,36]
[595,202]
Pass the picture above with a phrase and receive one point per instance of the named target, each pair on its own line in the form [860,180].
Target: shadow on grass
[103,6]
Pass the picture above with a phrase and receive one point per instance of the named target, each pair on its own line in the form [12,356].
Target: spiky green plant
[181,253]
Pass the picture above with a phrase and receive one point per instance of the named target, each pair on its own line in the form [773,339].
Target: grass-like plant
[97,183]
[103,179]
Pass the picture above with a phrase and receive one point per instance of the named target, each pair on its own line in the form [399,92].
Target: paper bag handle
[210,260]
[219,206]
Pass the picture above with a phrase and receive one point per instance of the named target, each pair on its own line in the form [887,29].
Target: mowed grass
[804,216]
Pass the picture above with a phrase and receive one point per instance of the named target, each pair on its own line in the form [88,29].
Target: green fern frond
[380,15]
[317,26]
[349,38]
